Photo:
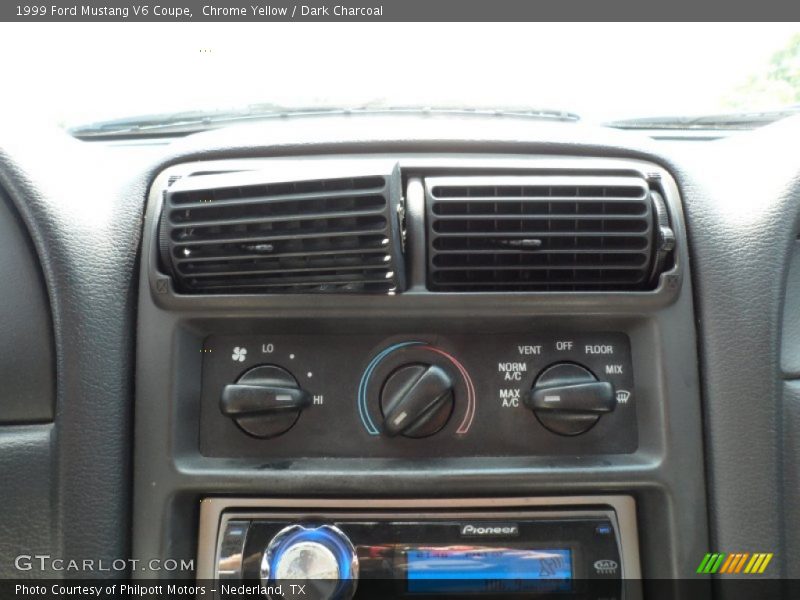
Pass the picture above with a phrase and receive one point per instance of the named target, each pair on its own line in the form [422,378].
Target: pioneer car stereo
[571,547]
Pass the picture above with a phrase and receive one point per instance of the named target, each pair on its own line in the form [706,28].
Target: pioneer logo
[490,529]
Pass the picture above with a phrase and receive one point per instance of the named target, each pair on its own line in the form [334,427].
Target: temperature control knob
[266,401]
[569,400]
[322,557]
[416,401]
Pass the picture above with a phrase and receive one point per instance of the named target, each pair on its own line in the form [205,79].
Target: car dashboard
[393,339]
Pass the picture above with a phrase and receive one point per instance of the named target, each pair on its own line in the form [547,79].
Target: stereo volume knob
[321,558]
[266,401]
[569,400]
[416,401]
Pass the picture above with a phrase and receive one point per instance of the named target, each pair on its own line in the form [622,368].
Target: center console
[423,375]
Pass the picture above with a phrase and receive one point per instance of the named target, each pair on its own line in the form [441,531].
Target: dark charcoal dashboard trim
[85,224]
[664,475]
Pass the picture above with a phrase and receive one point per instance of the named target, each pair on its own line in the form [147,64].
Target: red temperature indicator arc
[469,416]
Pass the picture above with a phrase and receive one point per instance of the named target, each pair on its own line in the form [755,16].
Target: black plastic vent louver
[543,233]
[229,233]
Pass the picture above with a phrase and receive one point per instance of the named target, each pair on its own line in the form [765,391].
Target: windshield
[85,73]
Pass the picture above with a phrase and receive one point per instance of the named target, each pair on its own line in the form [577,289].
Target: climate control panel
[365,395]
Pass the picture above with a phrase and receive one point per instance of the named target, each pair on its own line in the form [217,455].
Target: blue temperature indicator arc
[369,424]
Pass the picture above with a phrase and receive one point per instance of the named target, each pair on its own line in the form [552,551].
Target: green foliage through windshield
[777,86]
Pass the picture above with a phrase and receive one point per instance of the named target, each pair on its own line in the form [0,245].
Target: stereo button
[319,560]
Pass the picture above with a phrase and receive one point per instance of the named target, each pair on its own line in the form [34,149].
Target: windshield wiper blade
[743,120]
[164,124]
[185,123]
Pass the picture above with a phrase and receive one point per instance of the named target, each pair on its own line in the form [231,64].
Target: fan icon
[239,354]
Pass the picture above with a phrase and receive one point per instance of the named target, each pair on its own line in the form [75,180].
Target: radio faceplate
[365,395]
[578,547]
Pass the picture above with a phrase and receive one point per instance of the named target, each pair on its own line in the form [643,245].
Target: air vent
[543,233]
[230,233]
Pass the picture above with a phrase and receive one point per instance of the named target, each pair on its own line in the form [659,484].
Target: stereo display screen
[460,569]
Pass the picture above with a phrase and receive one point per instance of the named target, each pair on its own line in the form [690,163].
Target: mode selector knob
[568,399]
[266,401]
[416,401]
[321,558]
